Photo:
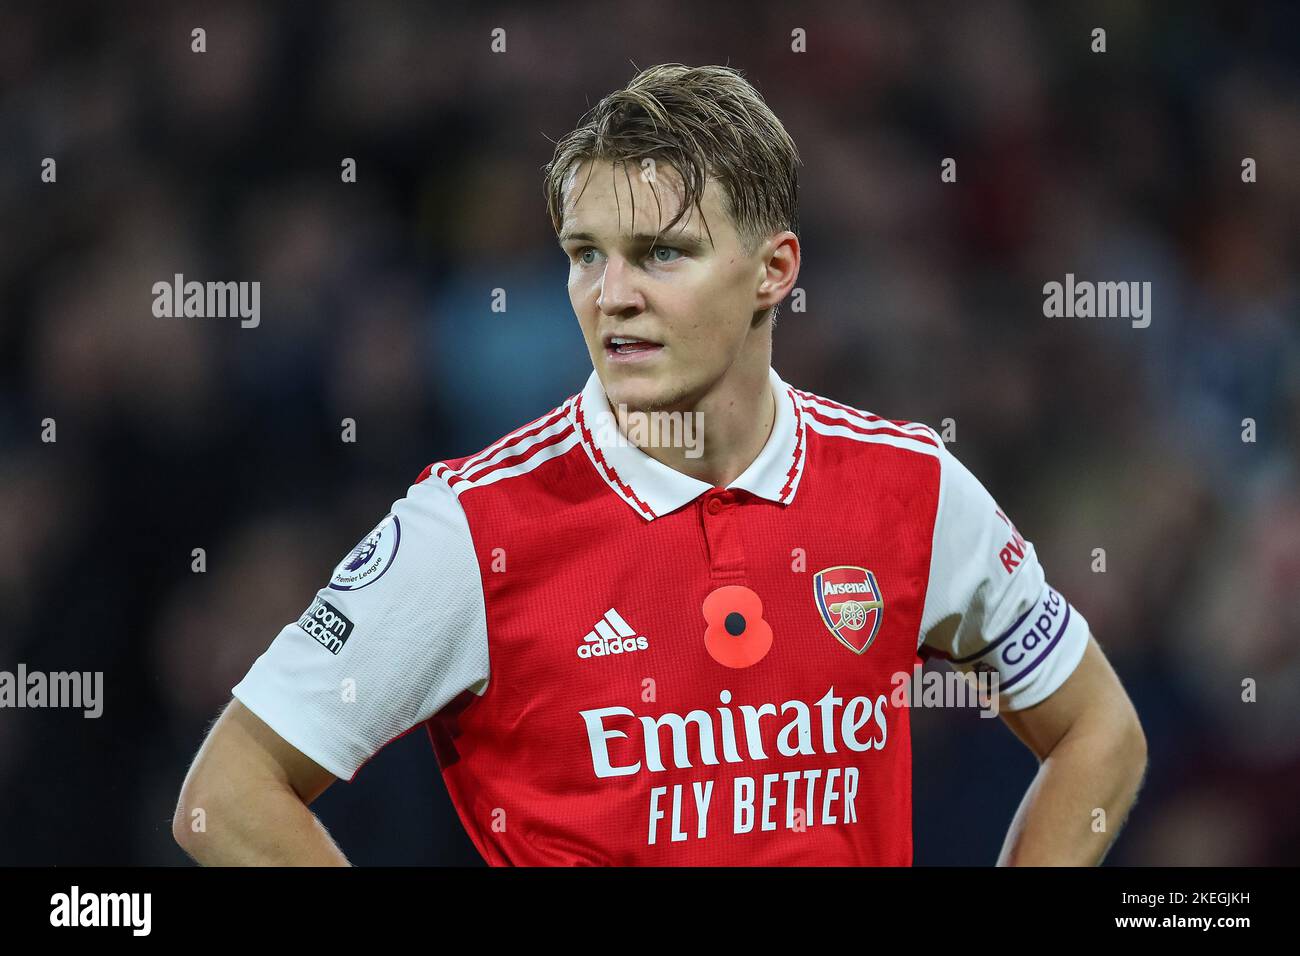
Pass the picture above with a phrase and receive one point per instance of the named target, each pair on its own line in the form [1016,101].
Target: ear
[780,270]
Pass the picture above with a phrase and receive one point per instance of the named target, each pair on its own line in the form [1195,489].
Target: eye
[659,249]
[582,255]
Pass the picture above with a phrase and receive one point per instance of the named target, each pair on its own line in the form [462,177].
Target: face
[688,303]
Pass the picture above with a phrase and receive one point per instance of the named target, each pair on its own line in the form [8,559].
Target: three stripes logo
[611,635]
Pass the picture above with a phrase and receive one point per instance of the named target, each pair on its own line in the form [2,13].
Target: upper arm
[398,632]
[241,749]
[988,606]
[1091,700]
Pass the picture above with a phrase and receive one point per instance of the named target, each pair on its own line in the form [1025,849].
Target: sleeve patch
[370,559]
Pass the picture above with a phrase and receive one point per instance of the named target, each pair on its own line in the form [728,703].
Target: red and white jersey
[619,664]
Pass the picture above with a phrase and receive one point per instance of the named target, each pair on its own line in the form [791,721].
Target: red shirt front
[618,664]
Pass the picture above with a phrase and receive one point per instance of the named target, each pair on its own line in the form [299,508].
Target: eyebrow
[642,238]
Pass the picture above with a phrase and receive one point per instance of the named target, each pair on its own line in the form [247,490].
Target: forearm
[1058,822]
[269,826]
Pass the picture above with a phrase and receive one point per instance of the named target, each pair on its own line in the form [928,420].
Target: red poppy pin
[736,634]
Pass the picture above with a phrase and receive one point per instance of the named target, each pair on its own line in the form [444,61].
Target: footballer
[628,651]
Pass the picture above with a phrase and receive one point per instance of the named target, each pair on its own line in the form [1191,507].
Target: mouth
[629,348]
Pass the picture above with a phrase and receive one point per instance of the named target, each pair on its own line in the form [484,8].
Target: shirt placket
[720,518]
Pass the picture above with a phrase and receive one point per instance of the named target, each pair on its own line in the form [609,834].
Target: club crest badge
[850,604]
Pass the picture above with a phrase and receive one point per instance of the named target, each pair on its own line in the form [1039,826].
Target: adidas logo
[611,635]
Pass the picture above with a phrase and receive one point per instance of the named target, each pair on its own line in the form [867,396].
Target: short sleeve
[398,632]
[988,606]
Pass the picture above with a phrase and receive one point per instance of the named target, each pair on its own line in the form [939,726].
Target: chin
[642,393]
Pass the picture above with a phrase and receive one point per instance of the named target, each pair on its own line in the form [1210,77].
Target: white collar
[652,489]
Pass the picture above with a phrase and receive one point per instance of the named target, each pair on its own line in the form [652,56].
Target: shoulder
[833,419]
[516,453]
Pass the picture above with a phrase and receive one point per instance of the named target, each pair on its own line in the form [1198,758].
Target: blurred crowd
[924,301]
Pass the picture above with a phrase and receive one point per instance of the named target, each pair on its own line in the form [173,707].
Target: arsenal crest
[850,604]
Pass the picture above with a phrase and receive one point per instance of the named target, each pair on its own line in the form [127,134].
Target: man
[634,651]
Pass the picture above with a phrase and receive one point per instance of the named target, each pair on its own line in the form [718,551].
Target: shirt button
[714,506]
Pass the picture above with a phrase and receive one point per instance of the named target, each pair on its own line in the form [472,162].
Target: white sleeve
[399,631]
[988,606]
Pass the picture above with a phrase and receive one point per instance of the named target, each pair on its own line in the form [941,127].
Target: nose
[618,292]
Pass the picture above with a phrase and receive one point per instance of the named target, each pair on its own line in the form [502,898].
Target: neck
[716,438]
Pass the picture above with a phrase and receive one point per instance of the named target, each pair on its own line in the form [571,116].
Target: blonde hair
[702,121]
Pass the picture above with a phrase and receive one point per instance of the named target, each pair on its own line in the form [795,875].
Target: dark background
[924,302]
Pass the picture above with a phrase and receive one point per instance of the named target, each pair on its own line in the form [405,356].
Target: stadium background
[924,302]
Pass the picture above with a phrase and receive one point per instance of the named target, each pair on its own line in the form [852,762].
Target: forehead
[604,195]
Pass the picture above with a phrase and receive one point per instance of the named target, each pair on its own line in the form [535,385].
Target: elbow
[1131,751]
[1140,742]
[190,818]
[1114,747]
[184,819]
